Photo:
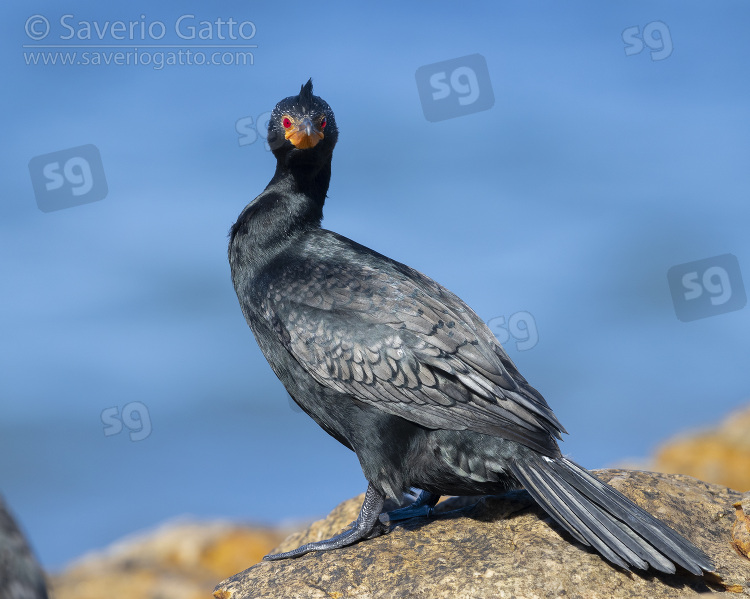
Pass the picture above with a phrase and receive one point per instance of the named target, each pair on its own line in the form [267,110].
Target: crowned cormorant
[401,371]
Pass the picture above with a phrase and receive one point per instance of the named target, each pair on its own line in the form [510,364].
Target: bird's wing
[395,339]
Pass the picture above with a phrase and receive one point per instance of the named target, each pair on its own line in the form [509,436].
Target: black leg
[359,529]
[421,507]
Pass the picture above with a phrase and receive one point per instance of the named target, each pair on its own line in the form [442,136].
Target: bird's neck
[291,204]
[309,180]
[299,194]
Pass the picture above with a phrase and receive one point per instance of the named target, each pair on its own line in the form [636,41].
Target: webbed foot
[421,507]
[365,526]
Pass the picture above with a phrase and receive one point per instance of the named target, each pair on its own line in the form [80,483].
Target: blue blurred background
[566,202]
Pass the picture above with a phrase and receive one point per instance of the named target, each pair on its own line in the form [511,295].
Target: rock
[720,455]
[741,530]
[180,560]
[21,576]
[503,546]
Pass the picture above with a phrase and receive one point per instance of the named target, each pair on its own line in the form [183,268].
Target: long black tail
[597,515]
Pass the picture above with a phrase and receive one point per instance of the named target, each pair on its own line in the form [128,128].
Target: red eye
[287,122]
[323,123]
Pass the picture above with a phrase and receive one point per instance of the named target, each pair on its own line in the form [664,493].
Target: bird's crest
[305,97]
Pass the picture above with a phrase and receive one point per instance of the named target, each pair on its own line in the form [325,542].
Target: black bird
[401,371]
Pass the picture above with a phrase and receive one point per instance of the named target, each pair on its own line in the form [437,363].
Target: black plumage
[400,370]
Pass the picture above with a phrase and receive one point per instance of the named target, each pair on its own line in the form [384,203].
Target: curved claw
[361,528]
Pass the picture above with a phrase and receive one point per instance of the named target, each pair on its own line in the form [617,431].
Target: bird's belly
[464,463]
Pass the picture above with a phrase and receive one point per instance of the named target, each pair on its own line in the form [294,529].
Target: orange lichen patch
[238,550]
[741,531]
[222,594]
[734,588]
[177,561]
[720,456]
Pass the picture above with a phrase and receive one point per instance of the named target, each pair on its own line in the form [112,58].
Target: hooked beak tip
[308,126]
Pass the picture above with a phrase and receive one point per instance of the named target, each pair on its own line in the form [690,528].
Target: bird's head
[302,128]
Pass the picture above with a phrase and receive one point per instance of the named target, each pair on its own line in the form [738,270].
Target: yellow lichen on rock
[176,561]
[720,455]
[238,549]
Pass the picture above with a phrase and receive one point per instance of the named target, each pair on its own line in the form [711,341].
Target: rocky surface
[21,577]
[181,560]
[504,547]
[741,530]
[719,455]
[186,560]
